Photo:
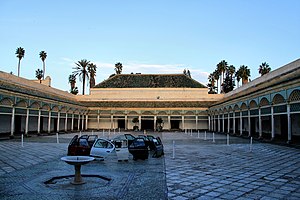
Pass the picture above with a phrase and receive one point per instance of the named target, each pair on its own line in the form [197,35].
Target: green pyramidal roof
[150,81]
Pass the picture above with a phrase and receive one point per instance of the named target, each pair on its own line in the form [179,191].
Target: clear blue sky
[157,36]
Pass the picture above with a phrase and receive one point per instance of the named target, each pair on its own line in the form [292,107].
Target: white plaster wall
[202,125]
[149,94]
[93,124]
[104,123]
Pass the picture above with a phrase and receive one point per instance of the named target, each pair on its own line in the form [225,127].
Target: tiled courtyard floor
[206,170]
[196,169]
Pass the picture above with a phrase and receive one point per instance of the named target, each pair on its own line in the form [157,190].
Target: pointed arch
[190,113]
[35,105]
[264,102]
[162,113]
[132,113]
[6,102]
[147,113]
[278,99]
[236,107]
[176,113]
[244,106]
[46,107]
[22,104]
[253,104]
[294,96]
[55,108]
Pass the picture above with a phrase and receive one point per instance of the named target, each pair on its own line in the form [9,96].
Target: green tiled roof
[150,81]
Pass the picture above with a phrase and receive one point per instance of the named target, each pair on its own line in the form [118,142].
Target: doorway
[121,123]
[147,124]
[175,124]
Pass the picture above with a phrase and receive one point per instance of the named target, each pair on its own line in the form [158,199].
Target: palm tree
[228,83]
[118,68]
[222,67]
[245,73]
[74,90]
[72,81]
[231,70]
[92,68]
[264,68]
[216,75]
[211,84]
[20,54]
[81,71]
[43,56]
[39,74]
[238,77]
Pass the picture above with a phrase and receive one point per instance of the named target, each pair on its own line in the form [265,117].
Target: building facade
[267,107]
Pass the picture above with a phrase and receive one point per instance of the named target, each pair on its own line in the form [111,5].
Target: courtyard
[196,165]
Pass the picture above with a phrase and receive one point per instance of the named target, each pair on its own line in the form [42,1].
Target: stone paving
[194,169]
[206,170]
[141,179]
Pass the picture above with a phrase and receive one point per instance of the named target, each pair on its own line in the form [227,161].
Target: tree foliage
[81,71]
[43,56]
[264,68]
[20,52]
[118,68]
[39,74]
[228,83]
[92,68]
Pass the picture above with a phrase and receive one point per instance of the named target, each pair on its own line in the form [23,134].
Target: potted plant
[159,124]
[135,121]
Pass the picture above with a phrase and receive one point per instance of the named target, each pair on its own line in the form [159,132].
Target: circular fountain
[77,161]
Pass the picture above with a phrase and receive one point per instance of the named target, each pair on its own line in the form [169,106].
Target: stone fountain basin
[77,160]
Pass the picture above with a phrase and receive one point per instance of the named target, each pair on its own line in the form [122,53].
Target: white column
[49,121]
[72,122]
[66,122]
[111,121]
[214,122]
[82,123]
[197,122]
[126,122]
[27,120]
[78,122]
[223,123]
[39,122]
[154,125]
[289,122]
[241,122]
[259,123]
[86,121]
[58,121]
[249,124]
[98,120]
[209,123]
[272,122]
[182,122]
[228,123]
[140,122]
[12,125]
[169,121]
[219,126]
[233,118]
